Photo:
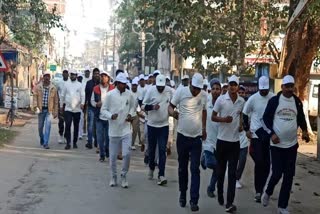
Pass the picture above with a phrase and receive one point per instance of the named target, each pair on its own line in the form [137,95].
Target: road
[55,181]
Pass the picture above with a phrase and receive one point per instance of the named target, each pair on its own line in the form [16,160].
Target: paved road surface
[55,181]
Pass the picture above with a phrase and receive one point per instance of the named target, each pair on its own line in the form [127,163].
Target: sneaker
[221,199]
[67,147]
[80,138]
[113,181]
[150,174]
[102,159]
[283,211]
[238,185]
[194,207]
[162,181]
[231,208]
[124,182]
[46,147]
[133,148]
[210,193]
[88,146]
[61,140]
[183,199]
[257,198]
[75,146]
[265,199]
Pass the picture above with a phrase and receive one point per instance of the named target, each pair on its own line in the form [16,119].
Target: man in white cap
[227,112]
[156,103]
[72,103]
[185,80]
[45,102]
[118,109]
[282,117]
[259,146]
[192,117]
[102,126]
[135,118]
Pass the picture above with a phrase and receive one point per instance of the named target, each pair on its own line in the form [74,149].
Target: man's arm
[35,97]
[204,124]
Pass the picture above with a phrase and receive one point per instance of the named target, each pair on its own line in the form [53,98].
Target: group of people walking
[215,128]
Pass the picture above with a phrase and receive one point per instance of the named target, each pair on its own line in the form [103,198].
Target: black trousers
[69,118]
[260,152]
[61,122]
[227,152]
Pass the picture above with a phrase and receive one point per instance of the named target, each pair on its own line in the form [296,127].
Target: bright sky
[81,17]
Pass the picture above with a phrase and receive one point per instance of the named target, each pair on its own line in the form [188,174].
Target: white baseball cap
[233,78]
[161,80]
[73,72]
[156,72]
[263,83]
[167,77]
[205,82]
[141,76]
[146,77]
[105,72]
[287,79]
[186,76]
[47,73]
[197,80]
[121,78]
[79,74]
[135,81]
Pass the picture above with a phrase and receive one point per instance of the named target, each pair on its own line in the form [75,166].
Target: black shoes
[88,146]
[221,199]
[257,198]
[231,208]
[102,159]
[210,193]
[194,207]
[183,199]
[75,146]
[67,147]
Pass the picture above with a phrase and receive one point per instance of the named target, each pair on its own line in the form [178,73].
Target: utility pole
[114,49]
[143,49]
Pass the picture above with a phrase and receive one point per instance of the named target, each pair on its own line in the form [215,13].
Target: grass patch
[6,136]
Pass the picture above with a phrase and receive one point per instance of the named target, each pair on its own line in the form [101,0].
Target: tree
[29,22]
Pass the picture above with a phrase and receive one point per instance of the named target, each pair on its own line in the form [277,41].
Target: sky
[81,17]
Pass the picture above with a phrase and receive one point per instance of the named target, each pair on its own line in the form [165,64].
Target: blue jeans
[210,161]
[158,136]
[1,87]
[91,125]
[186,147]
[44,121]
[103,137]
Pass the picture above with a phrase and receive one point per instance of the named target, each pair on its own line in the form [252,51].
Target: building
[59,4]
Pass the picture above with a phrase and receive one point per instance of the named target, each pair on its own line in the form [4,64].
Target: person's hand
[275,139]
[62,109]
[129,118]
[204,134]
[156,107]
[175,115]
[81,106]
[99,104]
[305,136]
[114,116]
[55,115]
[228,119]
[249,134]
[240,128]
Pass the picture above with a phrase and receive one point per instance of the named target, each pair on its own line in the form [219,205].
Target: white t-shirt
[225,107]
[212,129]
[285,122]
[254,108]
[158,118]
[190,111]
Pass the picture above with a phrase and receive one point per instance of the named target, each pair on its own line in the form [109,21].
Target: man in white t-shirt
[229,107]
[282,117]
[156,103]
[260,145]
[192,117]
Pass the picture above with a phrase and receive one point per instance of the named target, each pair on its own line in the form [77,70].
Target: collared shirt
[158,118]
[45,98]
[225,107]
[190,111]
[212,129]
[121,104]
[72,96]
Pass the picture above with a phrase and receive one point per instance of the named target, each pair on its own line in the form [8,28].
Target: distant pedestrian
[227,112]
[259,148]
[45,102]
[282,117]
[72,103]
[191,116]
[117,109]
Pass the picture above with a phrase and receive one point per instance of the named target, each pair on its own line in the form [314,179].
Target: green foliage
[29,21]
[210,28]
